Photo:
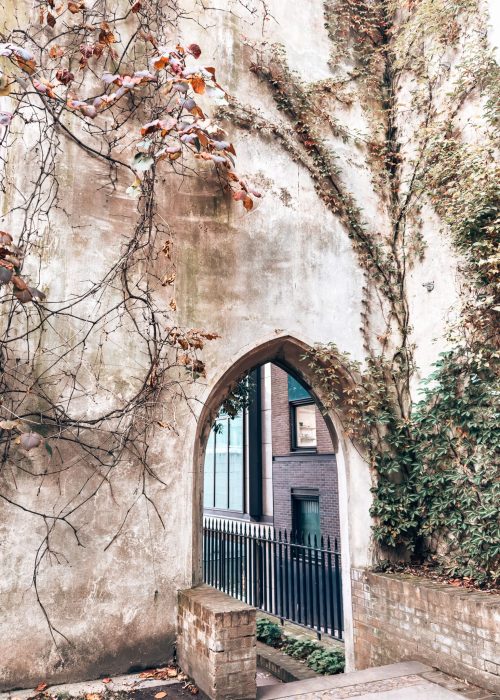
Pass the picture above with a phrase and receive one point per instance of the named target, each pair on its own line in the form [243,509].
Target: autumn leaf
[194,50]
[198,84]
[51,20]
[106,35]
[168,279]
[75,7]
[160,62]
[65,76]
[160,695]
[136,6]
[240,195]
[167,249]
[25,61]
[106,680]
[9,424]
[173,305]
[41,687]
[248,203]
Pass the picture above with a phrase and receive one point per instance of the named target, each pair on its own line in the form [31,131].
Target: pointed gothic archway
[353,473]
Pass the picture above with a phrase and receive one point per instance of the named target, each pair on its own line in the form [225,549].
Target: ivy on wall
[434,450]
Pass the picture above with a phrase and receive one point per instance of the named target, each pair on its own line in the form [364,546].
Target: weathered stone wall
[216,643]
[400,617]
[271,283]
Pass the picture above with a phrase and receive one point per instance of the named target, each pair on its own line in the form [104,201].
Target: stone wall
[271,283]
[216,643]
[400,617]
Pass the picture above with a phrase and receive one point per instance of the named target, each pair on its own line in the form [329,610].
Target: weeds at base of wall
[316,657]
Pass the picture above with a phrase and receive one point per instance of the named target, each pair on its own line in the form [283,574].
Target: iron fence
[289,576]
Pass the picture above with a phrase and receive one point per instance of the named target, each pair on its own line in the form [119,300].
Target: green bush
[327,661]
[269,632]
[299,648]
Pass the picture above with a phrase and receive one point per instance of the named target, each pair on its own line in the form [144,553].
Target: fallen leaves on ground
[160,673]
[41,687]
[160,695]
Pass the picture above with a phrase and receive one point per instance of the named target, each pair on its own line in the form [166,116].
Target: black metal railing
[291,577]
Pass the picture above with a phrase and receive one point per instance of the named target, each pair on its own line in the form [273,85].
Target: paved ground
[404,681]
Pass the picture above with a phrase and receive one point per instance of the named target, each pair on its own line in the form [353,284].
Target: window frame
[305,494]
[294,447]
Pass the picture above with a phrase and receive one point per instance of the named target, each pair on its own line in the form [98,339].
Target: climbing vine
[433,445]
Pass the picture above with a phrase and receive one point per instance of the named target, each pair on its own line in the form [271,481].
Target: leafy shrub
[299,648]
[269,632]
[327,661]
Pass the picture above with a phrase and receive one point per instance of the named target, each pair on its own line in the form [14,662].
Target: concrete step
[382,679]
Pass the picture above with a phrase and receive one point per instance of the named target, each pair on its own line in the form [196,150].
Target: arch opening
[289,355]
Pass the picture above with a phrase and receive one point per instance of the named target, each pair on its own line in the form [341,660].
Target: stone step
[344,680]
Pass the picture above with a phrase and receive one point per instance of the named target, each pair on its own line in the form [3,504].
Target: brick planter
[399,617]
[216,643]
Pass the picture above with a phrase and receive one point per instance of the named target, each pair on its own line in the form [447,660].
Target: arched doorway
[354,480]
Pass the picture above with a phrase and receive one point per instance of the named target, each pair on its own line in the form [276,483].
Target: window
[302,416]
[233,458]
[224,464]
[296,392]
[305,514]
[304,426]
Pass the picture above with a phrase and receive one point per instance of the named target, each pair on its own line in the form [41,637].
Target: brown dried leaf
[194,50]
[198,84]
[9,424]
[65,76]
[41,686]
[56,51]
[161,694]
[19,283]
[136,6]
[168,279]
[23,295]
[75,7]
[27,65]
[51,20]
[173,305]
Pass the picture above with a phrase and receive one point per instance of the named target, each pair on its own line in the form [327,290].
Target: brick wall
[216,643]
[399,617]
[319,472]
[299,470]
[281,417]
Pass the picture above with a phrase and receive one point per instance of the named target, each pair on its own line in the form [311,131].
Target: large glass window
[224,464]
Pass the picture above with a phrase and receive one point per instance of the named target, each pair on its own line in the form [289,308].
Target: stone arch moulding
[353,472]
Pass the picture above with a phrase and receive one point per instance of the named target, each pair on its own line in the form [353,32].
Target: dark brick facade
[298,470]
